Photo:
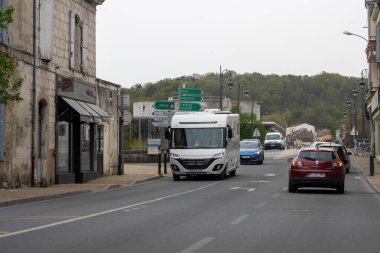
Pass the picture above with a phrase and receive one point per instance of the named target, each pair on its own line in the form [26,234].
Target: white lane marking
[357,177]
[270,175]
[105,212]
[239,219]
[196,246]
[275,195]
[260,181]
[241,188]
[285,188]
[261,204]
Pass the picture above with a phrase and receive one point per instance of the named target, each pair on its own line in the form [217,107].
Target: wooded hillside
[319,100]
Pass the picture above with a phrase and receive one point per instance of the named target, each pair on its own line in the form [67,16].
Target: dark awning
[88,112]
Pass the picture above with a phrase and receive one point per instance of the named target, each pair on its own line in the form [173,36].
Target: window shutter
[2,127]
[377,42]
[46,31]
[72,39]
[4,38]
[85,47]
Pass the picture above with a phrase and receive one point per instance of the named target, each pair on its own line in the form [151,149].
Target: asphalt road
[251,212]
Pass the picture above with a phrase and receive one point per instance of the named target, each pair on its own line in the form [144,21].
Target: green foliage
[9,92]
[6,16]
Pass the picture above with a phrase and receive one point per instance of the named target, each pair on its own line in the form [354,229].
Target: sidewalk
[363,163]
[133,174]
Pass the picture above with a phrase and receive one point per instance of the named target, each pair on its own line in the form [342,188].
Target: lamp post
[349,121]
[246,93]
[230,83]
[362,84]
[350,33]
[238,102]
[354,94]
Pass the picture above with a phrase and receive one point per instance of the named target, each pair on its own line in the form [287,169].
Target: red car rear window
[317,155]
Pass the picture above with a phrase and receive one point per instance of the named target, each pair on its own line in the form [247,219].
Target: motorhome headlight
[174,156]
[219,155]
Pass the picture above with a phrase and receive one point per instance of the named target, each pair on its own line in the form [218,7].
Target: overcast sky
[140,41]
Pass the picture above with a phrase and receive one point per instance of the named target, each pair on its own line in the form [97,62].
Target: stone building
[66,128]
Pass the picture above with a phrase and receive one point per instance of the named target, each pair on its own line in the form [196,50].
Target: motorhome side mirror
[229,130]
[167,133]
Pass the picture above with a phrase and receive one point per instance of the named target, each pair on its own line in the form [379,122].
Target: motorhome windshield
[195,138]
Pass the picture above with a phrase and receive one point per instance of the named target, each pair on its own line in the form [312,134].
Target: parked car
[343,154]
[316,167]
[251,152]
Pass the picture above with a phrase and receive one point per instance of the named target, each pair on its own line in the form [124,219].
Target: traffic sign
[164,105]
[163,113]
[190,98]
[256,133]
[190,91]
[189,107]
[161,124]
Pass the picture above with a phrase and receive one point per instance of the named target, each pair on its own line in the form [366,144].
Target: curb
[40,198]
[72,193]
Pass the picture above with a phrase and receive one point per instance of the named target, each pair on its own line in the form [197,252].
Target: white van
[274,140]
[204,143]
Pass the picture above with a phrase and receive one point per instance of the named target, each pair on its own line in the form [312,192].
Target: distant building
[309,127]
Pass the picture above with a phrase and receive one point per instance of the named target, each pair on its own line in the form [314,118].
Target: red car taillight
[296,164]
[338,164]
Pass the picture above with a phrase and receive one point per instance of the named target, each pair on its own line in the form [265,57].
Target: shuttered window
[72,38]
[377,42]
[46,29]
[85,47]
[2,128]
[4,38]
[78,44]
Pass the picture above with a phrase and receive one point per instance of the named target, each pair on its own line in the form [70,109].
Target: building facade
[66,128]
[373,59]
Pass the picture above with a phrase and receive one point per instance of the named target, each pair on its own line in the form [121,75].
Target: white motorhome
[204,143]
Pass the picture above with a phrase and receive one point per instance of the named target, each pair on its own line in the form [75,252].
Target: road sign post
[190,91]
[189,107]
[190,98]
[164,105]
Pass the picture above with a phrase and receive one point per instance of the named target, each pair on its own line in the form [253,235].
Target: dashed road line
[196,246]
[239,219]
[270,175]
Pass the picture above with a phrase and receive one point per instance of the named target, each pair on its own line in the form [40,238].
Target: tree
[9,89]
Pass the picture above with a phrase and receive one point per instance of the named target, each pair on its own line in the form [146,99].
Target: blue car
[251,152]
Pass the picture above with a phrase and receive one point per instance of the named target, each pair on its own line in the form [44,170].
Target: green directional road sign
[190,91]
[164,105]
[189,107]
[190,98]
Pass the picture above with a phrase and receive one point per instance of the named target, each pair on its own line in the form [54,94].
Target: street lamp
[246,93]
[354,94]
[230,84]
[350,33]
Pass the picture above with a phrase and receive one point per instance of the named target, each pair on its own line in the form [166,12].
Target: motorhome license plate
[315,175]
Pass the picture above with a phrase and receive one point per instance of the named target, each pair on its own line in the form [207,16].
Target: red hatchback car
[317,167]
